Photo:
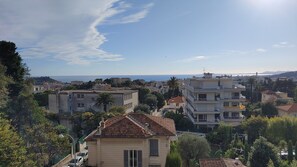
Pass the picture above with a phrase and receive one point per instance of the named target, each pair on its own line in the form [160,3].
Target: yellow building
[131,140]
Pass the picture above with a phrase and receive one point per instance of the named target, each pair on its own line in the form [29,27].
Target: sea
[86,78]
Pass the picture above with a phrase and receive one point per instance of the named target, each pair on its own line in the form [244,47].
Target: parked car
[78,161]
[84,154]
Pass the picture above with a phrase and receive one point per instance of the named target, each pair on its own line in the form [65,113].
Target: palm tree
[105,99]
[173,87]
[172,83]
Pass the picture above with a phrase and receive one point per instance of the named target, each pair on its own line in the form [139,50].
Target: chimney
[101,126]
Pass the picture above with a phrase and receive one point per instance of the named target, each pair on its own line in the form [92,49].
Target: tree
[295,150]
[173,159]
[142,92]
[172,83]
[246,152]
[290,151]
[12,148]
[261,152]
[160,99]
[192,148]
[221,136]
[42,98]
[151,100]
[14,66]
[282,145]
[251,81]
[104,99]
[142,108]
[44,142]
[4,81]
[173,88]
[269,110]
[255,127]
[118,109]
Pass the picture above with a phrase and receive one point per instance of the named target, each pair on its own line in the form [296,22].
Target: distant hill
[291,74]
[41,80]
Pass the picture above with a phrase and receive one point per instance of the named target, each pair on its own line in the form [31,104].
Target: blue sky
[108,37]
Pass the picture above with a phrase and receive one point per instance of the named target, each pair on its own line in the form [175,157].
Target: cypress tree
[290,151]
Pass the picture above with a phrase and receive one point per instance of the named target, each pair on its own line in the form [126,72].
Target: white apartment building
[211,100]
[84,100]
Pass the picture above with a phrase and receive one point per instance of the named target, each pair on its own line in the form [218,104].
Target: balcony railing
[233,117]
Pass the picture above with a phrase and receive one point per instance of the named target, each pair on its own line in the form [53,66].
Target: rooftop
[134,125]
[99,91]
[178,99]
[220,162]
[290,108]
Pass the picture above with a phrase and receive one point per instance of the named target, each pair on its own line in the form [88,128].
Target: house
[287,110]
[269,96]
[70,101]
[131,140]
[175,103]
[220,162]
[211,100]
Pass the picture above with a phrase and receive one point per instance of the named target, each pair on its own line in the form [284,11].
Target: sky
[149,37]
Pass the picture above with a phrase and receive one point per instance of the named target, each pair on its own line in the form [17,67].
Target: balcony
[208,122]
[233,119]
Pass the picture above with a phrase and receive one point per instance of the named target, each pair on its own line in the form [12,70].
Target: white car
[78,161]
[84,154]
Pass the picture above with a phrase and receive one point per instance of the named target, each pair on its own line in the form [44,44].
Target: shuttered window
[132,158]
[154,147]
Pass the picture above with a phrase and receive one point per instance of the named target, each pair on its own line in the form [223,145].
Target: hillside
[40,80]
[291,74]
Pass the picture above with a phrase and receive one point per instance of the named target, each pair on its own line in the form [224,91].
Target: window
[235,104]
[132,158]
[202,97]
[226,114]
[80,105]
[235,115]
[226,104]
[202,117]
[80,96]
[154,147]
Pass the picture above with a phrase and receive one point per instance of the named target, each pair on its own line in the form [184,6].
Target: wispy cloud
[283,45]
[261,50]
[64,30]
[132,18]
[193,59]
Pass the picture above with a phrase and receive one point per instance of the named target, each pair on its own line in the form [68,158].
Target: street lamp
[72,146]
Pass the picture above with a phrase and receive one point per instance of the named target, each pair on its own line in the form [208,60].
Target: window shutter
[125,158]
[139,158]
[154,148]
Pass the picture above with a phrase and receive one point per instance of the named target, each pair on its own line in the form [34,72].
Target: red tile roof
[178,99]
[269,92]
[220,162]
[134,125]
[291,108]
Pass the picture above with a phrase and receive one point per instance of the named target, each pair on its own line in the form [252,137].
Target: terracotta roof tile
[135,125]
[214,162]
[220,162]
[178,99]
[291,108]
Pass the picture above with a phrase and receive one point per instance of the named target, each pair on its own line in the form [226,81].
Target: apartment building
[211,100]
[84,100]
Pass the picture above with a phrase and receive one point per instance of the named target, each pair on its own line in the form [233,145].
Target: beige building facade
[85,100]
[132,140]
[211,100]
